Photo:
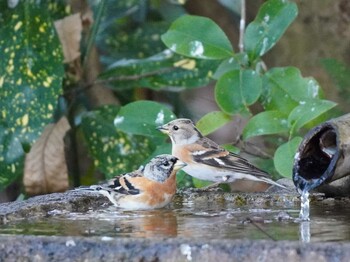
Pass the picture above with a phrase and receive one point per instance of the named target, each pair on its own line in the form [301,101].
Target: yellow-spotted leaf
[165,70]
[114,151]
[31,73]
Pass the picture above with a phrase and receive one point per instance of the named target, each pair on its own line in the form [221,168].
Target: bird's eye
[166,164]
[175,128]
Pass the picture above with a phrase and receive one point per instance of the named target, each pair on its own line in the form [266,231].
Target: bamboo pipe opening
[316,159]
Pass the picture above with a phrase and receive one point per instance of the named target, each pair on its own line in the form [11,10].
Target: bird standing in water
[205,159]
[150,187]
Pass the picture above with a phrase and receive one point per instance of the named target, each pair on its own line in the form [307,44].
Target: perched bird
[205,159]
[150,187]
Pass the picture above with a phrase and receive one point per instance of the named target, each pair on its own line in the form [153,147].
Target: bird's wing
[216,156]
[122,184]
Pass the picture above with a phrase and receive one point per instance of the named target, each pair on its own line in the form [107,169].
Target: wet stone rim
[61,248]
[174,249]
[73,201]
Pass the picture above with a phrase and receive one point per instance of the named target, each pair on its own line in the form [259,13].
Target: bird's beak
[179,164]
[163,129]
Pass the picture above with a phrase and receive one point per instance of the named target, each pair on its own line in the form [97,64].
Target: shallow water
[190,220]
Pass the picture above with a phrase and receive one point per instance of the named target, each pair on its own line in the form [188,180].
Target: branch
[180,65]
[134,77]
[242,26]
[125,78]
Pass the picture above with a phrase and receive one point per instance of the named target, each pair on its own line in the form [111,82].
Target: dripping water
[304,217]
[304,214]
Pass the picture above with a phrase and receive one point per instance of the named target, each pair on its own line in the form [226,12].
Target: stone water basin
[195,225]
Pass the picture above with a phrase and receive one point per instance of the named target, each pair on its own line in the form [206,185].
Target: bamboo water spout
[322,161]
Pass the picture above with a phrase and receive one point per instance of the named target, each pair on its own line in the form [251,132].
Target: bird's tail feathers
[93,188]
[271,182]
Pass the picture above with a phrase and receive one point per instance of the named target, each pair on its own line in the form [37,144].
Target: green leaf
[123,39]
[231,148]
[227,65]
[266,123]
[142,118]
[284,88]
[212,121]
[197,183]
[183,180]
[31,73]
[236,90]
[284,157]
[114,152]
[273,19]
[197,37]
[11,157]
[163,148]
[165,70]
[308,111]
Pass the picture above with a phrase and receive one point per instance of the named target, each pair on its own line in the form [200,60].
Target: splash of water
[304,214]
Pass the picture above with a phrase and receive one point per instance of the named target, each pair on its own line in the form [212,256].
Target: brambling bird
[205,159]
[147,188]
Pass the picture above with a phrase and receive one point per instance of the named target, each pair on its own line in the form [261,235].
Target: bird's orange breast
[154,193]
[183,153]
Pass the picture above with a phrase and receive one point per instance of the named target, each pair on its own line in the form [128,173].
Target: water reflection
[202,220]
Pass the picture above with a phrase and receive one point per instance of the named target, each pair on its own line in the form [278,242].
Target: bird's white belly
[134,203]
[209,174]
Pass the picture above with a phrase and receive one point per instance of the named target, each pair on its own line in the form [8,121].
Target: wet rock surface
[29,248]
[41,206]
[104,248]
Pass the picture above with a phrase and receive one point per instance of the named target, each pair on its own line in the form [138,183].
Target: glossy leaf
[266,123]
[227,65]
[142,118]
[273,19]
[284,157]
[308,111]
[121,33]
[284,88]
[197,37]
[165,70]
[31,73]
[236,90]
[212,121]
[114,151]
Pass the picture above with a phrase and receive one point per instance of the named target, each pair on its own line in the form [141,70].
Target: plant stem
[93,33]
[242,26]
